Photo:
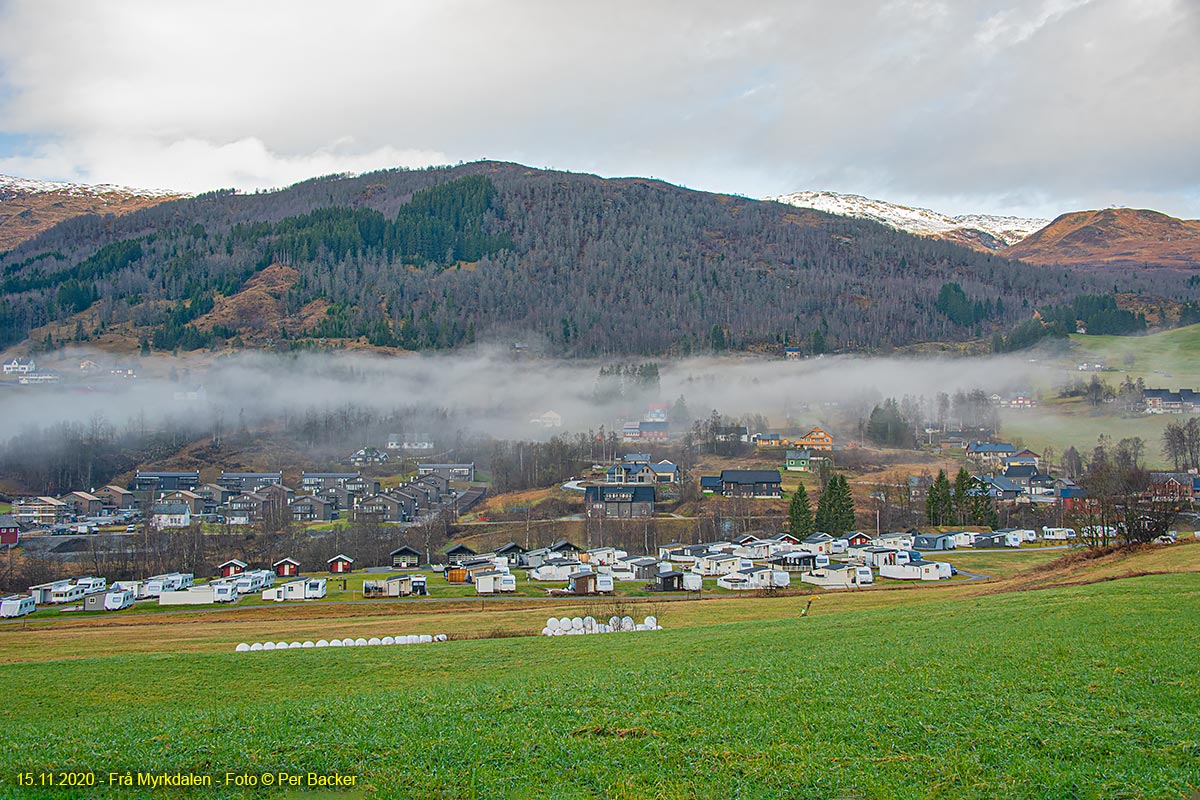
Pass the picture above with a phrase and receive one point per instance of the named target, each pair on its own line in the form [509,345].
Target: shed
[231,567]
[669,581]
[457,554]
[341,564]
[286,567]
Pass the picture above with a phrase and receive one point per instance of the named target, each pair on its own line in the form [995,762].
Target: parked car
[130,528]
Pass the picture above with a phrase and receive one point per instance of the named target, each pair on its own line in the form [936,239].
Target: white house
[818,543]
[606,556]
[557,569]
[16,605]
[916,571]
[878,556]
[839,576]
[900,541]
[718,564]
[20,366]
[758,549]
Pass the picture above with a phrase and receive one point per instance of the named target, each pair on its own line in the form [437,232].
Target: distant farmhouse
[1165,401]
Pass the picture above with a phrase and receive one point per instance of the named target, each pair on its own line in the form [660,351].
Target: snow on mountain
[10,186]
[981,231]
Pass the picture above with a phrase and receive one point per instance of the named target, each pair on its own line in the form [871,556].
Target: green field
[1170,359]
[1079,692]
[5,508]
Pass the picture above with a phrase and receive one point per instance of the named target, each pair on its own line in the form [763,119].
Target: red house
[857,538]
[340,564]
[286,567]
[231,567]
[10,535]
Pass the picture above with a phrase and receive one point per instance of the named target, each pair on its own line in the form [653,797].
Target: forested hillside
[440,258]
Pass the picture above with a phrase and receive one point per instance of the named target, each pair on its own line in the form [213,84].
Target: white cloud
[1054,101]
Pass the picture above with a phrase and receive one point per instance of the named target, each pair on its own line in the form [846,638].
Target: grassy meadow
[966,690]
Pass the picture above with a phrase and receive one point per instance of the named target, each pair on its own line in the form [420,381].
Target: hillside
[1113,237]
[29,207]
[983,232]
[440,258]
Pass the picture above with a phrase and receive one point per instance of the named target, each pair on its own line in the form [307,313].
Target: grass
[1166,359]
[1012,695]
[5,508]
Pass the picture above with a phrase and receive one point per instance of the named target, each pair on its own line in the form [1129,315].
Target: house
[654,430]
[856,539]
[620,501]
[547,419]
[899,540]
[555,569]
[731,433]
[671,581]
[839,576]
[451,472]
[803,461]
[603,556]
[231,567]
[40,511]
[987,453]
[368,456]
[410,441]
[665,472]
[341,564]
[286,567]
[626,472]
[458,553]
[1173,486]
[15,605]
[710,484]
[382,508]
[934,541]
[312,509]
[116,498]
[10,532]
[589,583]
[405,557]
[757,483]
[799,561]
[108,600]
[815,439]
[793,353]
[165,481]
[718,564]
[874,556]
[246,508]
[83,504]
[916,571]
[248,481]
[513,552]
[999,487]
[317,482]
[20,366]
[638,568]
[406,585]
[820,543]
[195,502]
[170,515]
[786,539]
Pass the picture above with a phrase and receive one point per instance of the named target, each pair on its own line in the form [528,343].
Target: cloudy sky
[1030,107]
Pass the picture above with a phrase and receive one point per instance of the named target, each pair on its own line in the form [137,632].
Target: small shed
[231,567]
[286,567]
[341,564]
[582,583]
[669,581]
[459,553]
[455,574]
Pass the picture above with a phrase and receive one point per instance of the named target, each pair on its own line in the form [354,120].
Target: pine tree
[835,509]
[939,504]
[962,496]
[982,509]
[800,515]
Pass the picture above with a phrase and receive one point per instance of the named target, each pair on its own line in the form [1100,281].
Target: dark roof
[743,476]
[459,548]
[710,482]
[619,493]
[1021,471]
[990,447]
[404,548]
[7,521]
[510,547]
[563,544]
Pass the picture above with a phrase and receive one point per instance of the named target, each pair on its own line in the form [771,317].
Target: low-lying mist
[489,391]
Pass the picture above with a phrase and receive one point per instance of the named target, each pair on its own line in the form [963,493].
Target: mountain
[28,207]
[1113,237]
[978,231]
[488,251]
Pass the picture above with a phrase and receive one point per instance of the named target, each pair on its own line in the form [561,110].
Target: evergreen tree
[835,509]
[939,504]
[982,509]
[800,515]
[962,496]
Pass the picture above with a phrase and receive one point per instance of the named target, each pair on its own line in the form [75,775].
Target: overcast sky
[1033,107]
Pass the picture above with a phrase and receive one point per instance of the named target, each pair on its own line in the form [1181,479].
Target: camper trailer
[17,605]
[110,600]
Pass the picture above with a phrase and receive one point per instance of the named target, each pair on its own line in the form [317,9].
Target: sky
[1029,108]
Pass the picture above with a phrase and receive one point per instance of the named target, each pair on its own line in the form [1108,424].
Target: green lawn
[1084,692]
[5,508]
[1167,359]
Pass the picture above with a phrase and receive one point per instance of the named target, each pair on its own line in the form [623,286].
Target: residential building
[623,501]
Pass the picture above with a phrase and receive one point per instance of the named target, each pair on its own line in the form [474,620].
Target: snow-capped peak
[10,186]
[919,221]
